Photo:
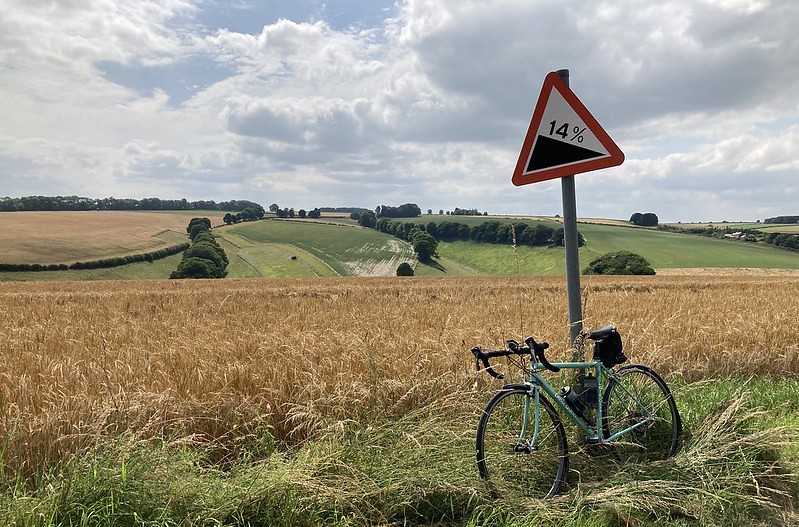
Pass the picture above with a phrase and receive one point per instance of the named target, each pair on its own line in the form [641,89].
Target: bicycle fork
[522,445]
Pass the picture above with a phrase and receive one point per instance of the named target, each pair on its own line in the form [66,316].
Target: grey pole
[570,240]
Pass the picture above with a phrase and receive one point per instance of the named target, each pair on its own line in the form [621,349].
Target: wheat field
[219,360]
[51,237]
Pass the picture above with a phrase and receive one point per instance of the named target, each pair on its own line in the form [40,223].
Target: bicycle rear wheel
[637,395]
[509,457]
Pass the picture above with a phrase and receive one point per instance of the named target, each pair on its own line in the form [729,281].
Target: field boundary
[726,271]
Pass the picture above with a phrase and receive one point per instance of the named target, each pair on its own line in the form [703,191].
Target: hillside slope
[305,248]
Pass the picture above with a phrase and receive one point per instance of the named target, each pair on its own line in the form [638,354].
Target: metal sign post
[572,246]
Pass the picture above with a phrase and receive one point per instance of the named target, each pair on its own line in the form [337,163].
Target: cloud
[424,101]
[75,33]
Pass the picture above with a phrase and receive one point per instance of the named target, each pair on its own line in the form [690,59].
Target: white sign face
[561,123]
[563,138]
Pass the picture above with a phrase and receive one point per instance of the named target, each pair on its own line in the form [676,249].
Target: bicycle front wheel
[518,454]
[637,399]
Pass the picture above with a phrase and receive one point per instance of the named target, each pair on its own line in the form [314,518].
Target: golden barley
[217,360]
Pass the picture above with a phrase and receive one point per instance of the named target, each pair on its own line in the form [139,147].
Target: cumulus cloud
[74,33]
[427,103]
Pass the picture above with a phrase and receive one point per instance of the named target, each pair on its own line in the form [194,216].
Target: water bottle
[574,401]
[589,387]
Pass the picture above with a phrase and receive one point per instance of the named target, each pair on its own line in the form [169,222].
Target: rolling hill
[336,246]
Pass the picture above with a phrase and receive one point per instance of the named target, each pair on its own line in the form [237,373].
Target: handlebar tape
[538,349]
[513,348]
[481,357]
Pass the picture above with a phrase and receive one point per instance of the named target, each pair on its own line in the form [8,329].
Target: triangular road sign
[563,138]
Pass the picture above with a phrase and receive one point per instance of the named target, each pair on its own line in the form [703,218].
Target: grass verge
[409,460]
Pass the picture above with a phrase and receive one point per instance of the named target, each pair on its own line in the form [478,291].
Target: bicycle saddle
[602,333]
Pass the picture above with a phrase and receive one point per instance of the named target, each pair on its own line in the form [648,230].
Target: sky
[310,103]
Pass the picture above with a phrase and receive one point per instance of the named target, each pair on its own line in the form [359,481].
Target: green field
[307,248]
[788,228]
[321,249]
[662,249]
[667,250]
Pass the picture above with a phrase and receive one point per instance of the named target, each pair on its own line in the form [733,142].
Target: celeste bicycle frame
[593,432]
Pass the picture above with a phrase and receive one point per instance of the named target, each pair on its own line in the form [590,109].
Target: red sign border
[553,81]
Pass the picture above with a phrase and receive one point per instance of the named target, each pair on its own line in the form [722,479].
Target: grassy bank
[415,466]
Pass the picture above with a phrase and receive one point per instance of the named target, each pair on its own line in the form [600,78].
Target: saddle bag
[609,350]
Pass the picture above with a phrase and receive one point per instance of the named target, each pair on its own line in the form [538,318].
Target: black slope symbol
[549,153]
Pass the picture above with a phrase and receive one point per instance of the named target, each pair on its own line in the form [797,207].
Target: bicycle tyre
[628,389]
[510,468]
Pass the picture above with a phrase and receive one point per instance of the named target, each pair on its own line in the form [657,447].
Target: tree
[301,213]
[407,210]
[647,219]
[205,236]
[204,258]
[194,268]
[212,253]
[405,269]
[196,229]
[274,207]
[247,215]
[559,238]
[367,219]
[538,236]
[424,245]
[621,262]
[198,221]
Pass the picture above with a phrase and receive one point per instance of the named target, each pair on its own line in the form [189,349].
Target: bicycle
[521,441]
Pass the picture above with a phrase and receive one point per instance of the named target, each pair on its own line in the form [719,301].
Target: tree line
[248,214]
[782,219]
[777,239]
[79,203]
[205,258]
[518,233]
[783,240]
[98,264]
[345,210]
[425,238]
[406,210]
[287,212]
[466,212]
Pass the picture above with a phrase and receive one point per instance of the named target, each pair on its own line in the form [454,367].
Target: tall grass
[354,401]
